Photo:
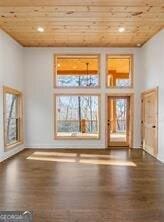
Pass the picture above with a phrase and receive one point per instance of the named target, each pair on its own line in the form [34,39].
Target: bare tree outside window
[12,117]
[77,116]
[11,120]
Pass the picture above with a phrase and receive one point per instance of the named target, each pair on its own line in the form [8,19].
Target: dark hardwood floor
[84,185]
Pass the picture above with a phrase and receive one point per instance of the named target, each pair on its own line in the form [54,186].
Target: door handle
[154,127]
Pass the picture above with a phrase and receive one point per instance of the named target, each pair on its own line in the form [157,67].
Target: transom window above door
[119,71]
[77,71]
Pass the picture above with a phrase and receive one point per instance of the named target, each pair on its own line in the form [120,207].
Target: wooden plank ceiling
[82,23]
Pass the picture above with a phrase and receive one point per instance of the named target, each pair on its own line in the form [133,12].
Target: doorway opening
[119,121]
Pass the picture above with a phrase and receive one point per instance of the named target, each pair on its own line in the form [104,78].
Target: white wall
[31,70]
[11,74]
[39,119]
[152,57]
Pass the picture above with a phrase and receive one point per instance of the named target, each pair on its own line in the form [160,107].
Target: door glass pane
[11,118]
[118,120]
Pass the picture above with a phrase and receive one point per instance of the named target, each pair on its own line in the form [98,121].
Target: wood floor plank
[110,188]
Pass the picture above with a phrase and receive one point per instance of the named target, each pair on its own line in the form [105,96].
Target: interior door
[149,121]
[118,121]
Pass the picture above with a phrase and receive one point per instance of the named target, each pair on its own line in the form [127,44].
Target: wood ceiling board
[82,23]
[79,11]
[71,9]
[79,2]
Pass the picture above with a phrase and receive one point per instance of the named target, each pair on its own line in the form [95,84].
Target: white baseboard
[161,158]
[80,146]
[11,153]
[36,146]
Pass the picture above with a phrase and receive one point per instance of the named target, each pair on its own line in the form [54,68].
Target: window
[12,117]
[77,116]
[119,71]
[77,71]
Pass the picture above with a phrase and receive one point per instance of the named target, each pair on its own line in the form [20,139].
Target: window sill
[117,87]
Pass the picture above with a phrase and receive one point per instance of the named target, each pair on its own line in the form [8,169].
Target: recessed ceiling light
[121,29]
[40,29]
[138,44]
[58,64]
